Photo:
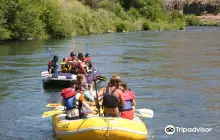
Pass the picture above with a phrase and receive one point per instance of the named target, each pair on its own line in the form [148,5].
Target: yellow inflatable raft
[99,128]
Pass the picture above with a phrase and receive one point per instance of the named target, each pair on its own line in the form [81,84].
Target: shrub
[121,26]
[192,20]
[147,25]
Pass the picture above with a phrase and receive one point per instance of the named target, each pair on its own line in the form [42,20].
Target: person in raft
[112,97]
[72,63]
[71,57]
[52,67]
[81,66]
[74,100]
[88,60]
[89,92]
[64,65]
[128,96]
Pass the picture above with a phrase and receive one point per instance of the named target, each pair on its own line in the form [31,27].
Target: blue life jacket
[127,105]
[71,103]
[127,96]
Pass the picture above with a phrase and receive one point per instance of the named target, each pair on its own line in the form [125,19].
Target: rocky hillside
[197,7]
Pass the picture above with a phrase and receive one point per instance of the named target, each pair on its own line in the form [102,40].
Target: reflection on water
[175,73]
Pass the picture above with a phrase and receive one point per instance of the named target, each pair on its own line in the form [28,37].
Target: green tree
[27,24]
[4,32]
[57,19]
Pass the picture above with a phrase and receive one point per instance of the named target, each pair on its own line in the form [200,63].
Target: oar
[101,78]
[51,113]
[45,73]
[96,100]
[87,46]
[50,53]
[53,105]
[146,113]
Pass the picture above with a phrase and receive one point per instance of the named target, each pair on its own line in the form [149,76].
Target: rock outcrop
[197,7]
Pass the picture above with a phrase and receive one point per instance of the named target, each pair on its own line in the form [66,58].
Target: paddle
[51,113]
[45,73]
[58,110]
[73,46]
[97,100]
[53,105]
[101,78]
[87,46]
[145,113]
[50,52]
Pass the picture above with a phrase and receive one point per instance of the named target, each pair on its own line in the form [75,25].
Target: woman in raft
[128,96]
[112,97]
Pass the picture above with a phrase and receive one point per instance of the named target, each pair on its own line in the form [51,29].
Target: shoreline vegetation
[35,19]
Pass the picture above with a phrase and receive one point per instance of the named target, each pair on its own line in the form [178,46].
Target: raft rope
[107,131]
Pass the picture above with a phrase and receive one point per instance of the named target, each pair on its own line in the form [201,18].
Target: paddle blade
[53,105]
[45,73]
[51,113]
[146,113]
[101,78]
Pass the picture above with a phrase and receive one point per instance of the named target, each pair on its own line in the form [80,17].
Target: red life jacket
[68,92]
[88,59]
[69,59]
[49,63]
[128,95]
[74,64]
[48,66]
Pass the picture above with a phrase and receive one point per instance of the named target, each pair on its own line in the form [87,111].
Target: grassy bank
[192,20]
[24,20]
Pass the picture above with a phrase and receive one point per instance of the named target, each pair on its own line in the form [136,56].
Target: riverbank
[192,20]
[64,18]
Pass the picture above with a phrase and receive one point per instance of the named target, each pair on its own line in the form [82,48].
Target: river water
[174,73]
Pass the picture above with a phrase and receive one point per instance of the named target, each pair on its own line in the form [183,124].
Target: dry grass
[210,18]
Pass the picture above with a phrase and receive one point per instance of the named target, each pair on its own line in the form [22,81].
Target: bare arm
[82,67]
[50,71]
[121,100]
[91,89]
[133,103]
[101,91]
[88,107]
[63,102]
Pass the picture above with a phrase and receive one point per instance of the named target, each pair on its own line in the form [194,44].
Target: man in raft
[88,60]
[81,67]
[52,65]
[71,57]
